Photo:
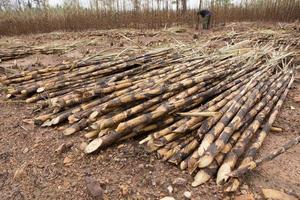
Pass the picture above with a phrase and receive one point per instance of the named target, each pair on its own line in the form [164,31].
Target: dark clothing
[206,22]
[204,13]
[206,18]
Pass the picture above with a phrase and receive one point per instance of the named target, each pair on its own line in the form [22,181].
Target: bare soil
[30,167]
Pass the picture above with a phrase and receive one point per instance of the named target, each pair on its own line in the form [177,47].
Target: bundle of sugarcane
[86,72]
[197,110]
[219,131]
[247,162]
[277,37]
[24,51]
[8,54]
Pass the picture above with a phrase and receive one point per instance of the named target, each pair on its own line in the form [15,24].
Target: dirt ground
[31,168]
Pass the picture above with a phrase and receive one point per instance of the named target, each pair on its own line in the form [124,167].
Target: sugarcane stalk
[204,130]
[205,174]
[181,144]
[224,134]
[254,164]
[213,105]
[253,149]
[199,114]
[232,157]
[171,106]
[184,152]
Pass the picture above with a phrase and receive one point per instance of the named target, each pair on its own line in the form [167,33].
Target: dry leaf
[68,161]
[28,121]
[20,172]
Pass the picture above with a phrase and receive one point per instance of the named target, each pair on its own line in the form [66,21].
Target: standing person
[206,18]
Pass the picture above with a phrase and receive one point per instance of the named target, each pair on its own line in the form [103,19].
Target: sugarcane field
[161,100]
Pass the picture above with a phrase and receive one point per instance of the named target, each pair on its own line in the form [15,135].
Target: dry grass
[13,22]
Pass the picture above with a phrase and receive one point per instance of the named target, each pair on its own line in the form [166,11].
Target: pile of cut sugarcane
[24,51]
[208,113]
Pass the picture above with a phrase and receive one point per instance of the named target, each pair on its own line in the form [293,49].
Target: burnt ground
[31,168]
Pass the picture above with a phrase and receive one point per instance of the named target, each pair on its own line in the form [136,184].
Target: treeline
[36,16]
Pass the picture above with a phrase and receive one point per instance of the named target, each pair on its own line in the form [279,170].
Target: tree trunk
[184,6]
[200,5]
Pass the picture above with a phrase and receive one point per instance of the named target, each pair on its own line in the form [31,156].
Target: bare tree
[184,5]
[200,5]
[73,3]
[136,5]
[223,2]
[19,4]
[5,4]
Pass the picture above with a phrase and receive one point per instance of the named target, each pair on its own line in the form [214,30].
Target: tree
[71,3]
[19,4]
[184,5]
[223,2]
[5,4]
[200,5]
[136,5]
[176,2]
[40,3]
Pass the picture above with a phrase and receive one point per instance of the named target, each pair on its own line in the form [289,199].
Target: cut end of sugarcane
[223,174]
[121,127]
[145,140]
[103,132]
[23,91]
[72,119]
[106,123]
[47,123]
[91,134]
[201,178]
[205,161]
[30,100]
[93,146]
[94,126]
[11,90]
[69,131]
[276,129]
[203,147]
[200,151]
[55,121]
[232,185]
[183,165]
[8,96]
[41,89]
[179,130]
[93,115]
